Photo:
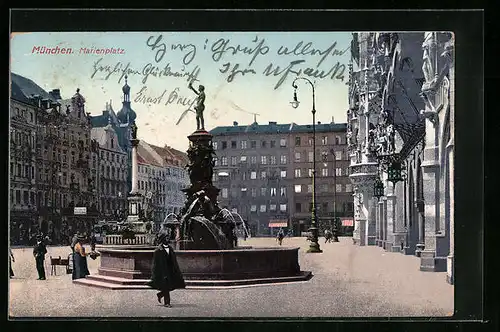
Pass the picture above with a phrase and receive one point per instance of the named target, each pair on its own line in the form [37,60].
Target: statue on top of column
[200,105]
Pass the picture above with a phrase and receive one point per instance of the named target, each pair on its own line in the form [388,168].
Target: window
[338,171]
[253,175]
[18,197]
[324,156]
[297,156]
[224,145]
[310,172]
[338,141]
[310,156]
[233,161]
[243,145]
[273,144]
[254,192]
[310,141]
[324,140]
[297,141]
[233,144]
[253,208]
[272,160]
[283,159]
[262,208]
[253,144]
[324,172]
[338,188]
[338,155]
[26,198]
[216,161]
[283,191]
[263,144]
[309,188]
[243,176]
[223,161]
[282,207]
[324,187]
[297,172]
[283,174]
[263,191]
[214,145]
[348,187]
[263,174]
[263,160]
[243,159]
[273,192]
[283,143]
[272,207]
[298,188]
[253,160]
[298,207]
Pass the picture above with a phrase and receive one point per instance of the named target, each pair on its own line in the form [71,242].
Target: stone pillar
[377,222]
[450,277]
[391,212]
[135,167]
[399,226]
[380,205]
[370,222]
[384,221]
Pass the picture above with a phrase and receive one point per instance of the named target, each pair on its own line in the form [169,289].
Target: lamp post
[314,245]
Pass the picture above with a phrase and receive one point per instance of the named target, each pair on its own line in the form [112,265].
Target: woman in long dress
[166,275]
[80,267]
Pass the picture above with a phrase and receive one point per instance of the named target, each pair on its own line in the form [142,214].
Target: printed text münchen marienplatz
[83,50]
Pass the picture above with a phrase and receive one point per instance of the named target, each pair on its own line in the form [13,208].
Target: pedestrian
[166,275]
[39,252]
[11,260]
[80,267]
[93,241]
[280,236]
[74,240]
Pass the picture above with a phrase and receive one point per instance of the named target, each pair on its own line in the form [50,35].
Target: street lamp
[314,245]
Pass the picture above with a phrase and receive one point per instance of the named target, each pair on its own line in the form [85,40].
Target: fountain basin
[129,267]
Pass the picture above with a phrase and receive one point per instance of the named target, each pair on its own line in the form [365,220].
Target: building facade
[60,173]
[112,168]
[264,174]
[400,131]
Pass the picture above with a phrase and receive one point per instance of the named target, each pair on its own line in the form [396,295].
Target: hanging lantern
[378,188]
[394,173]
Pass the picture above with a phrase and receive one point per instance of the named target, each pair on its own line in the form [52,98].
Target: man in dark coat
[39,252]
[166,275]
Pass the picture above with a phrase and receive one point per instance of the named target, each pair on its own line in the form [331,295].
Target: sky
[243,73]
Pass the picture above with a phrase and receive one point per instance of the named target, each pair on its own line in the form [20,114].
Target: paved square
[348,281]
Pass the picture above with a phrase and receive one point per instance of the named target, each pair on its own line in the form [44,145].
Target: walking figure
[280,236]
[39,252]
[166,275]
[200,105]
[328,236]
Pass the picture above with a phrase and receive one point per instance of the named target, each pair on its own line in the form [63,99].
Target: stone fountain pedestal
[129,267]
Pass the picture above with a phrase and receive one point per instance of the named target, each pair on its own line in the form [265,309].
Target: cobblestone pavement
[349,281]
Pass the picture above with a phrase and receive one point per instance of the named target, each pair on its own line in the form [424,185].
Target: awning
[278,223]
[348,222]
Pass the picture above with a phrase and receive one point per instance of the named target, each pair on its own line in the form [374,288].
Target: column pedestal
[430,263]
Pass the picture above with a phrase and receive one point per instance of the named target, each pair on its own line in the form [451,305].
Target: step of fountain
[116,283]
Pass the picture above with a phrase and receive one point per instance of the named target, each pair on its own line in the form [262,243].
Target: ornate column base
[450,269]
[430,263]
[314,245]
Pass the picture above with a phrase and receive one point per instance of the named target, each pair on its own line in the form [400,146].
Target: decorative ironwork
[378,188]
[394,172]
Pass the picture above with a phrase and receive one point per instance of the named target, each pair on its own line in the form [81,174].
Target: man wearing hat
[166,275]
[39,253]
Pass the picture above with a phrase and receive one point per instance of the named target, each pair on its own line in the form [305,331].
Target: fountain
[205,238]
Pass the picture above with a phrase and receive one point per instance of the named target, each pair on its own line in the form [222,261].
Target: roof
[274,128]
[23,88]
[148,154]
[99,134]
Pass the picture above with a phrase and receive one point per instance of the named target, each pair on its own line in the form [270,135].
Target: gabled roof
[23,88]
[148,154]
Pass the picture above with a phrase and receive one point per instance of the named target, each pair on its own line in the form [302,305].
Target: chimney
[319,122]
[333,121]
[273,123]
[56,94]
[235,123]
